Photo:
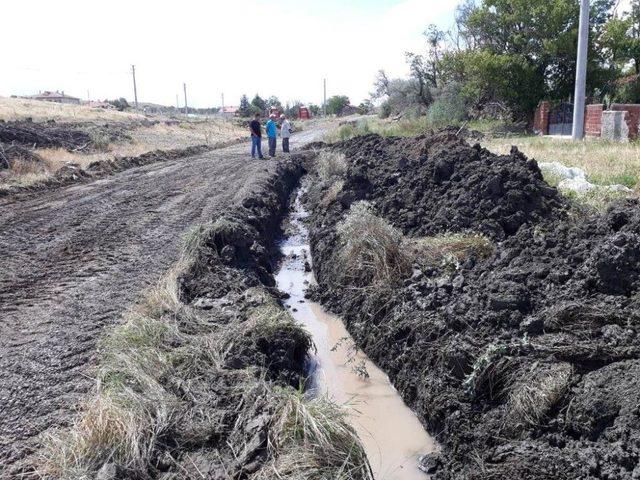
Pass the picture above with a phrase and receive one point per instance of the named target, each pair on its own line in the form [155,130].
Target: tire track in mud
[74,259]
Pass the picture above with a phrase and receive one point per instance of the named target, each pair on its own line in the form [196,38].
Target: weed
[535,395]
[312,440]
[450,250]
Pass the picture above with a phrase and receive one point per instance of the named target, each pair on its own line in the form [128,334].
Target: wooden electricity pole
[135,88]
[186,108]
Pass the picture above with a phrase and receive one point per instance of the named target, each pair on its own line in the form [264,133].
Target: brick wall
[593,120]
[632,117]
[541,118]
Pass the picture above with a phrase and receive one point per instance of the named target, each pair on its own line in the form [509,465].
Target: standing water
[392,435]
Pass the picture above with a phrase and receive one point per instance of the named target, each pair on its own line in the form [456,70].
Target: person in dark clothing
[256,136]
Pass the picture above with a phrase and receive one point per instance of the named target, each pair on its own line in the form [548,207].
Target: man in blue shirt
[272,134]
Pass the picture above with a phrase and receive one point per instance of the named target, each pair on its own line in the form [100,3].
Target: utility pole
[135,88]
[186,108]
[222,106]
[581,72]
[324,103]
[177,103]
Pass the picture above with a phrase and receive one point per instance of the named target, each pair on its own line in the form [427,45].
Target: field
[605,162]
[102,135]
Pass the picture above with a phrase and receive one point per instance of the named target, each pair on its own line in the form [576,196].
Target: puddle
[393,437]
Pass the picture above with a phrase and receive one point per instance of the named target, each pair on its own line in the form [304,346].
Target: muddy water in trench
[392,435]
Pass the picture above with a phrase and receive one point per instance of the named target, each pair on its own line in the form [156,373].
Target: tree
[292,110]
[314,109]
[336,103]
[259,104]
[273,101]
[120,103]
[245,108]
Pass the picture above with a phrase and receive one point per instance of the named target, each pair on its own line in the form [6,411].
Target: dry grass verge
[605,162]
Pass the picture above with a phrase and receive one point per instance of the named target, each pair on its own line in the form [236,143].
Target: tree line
[503,56]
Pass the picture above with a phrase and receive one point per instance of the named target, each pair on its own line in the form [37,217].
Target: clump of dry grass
[331,166]
[311,440]
[449,250]
[331,193]
[371,252]
[535,395]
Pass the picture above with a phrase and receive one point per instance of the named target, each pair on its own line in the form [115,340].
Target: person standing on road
[272,134]
[285,133]
[256,136]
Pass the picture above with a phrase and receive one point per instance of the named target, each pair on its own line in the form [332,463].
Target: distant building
[228,112]
[56,97]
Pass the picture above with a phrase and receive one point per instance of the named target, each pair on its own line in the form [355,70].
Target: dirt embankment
[37,156]
[74,259]
[525,363]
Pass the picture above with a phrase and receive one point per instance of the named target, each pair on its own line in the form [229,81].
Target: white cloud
[275,47]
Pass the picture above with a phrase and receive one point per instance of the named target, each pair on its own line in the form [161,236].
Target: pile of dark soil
[10,154]
[442,179]
[70,136]
[525,365]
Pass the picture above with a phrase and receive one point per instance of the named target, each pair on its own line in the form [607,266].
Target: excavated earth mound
[524,363]
[442,178]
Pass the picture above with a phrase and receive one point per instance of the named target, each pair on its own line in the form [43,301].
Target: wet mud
[393,437]
[523,364]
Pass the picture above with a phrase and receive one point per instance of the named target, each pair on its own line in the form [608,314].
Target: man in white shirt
[285,133]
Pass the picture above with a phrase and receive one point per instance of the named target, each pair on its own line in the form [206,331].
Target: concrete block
[614,126]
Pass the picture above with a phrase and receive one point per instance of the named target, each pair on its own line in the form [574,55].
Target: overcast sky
[272,47]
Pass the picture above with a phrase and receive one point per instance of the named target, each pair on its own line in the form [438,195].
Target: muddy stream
[393,437]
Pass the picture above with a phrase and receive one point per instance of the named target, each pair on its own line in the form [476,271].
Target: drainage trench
[393,437]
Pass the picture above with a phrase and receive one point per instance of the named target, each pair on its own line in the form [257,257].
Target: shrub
[446,110]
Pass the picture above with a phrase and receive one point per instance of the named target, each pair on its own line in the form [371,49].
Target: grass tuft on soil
[172,376]
[371,254]
[312,440]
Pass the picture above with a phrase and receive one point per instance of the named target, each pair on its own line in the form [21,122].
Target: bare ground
[75,258]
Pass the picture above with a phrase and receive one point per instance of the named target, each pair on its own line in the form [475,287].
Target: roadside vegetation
[174,381]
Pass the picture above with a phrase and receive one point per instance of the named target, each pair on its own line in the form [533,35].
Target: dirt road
[74,259]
